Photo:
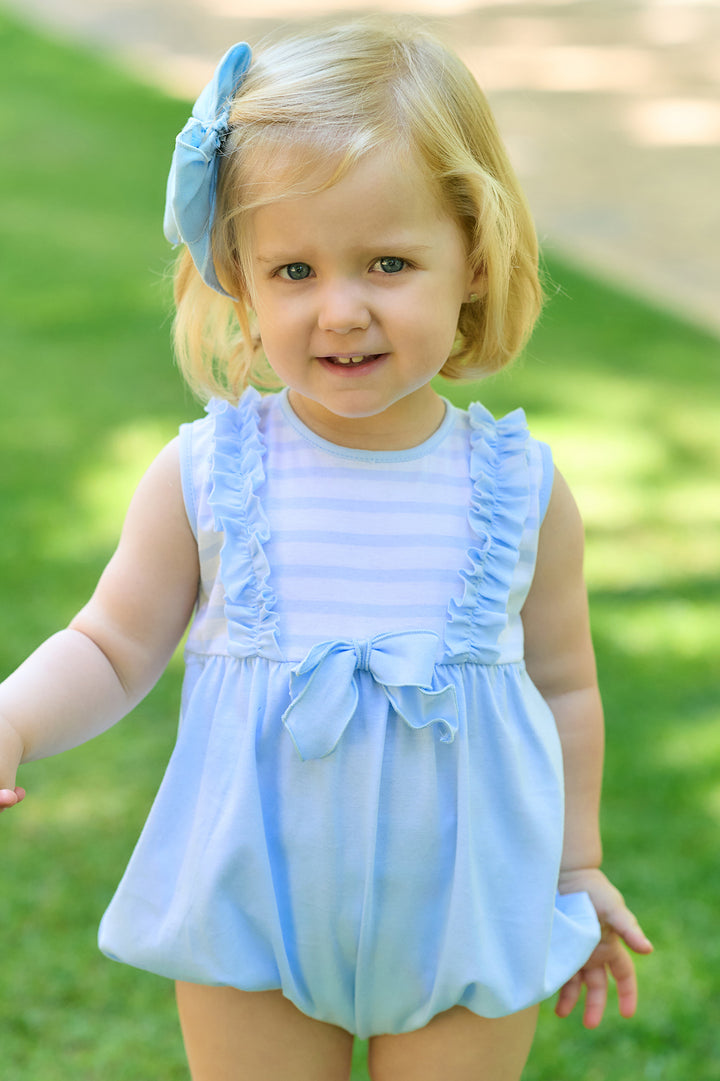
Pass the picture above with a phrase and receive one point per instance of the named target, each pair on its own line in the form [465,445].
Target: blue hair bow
[190,204]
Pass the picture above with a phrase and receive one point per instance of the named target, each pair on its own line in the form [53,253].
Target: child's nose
[343,308]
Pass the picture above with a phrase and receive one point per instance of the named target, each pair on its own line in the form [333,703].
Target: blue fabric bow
[325,694]
[190,203]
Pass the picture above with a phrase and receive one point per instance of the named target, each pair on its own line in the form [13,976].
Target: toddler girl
[381,814]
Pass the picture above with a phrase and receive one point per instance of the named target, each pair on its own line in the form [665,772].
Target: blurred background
[611,113]
[611,108]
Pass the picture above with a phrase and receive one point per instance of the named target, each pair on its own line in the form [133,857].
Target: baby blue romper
[364,807]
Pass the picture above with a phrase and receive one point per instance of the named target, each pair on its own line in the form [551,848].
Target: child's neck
[404,424]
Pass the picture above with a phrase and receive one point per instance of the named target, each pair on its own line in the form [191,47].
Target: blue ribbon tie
[325,693]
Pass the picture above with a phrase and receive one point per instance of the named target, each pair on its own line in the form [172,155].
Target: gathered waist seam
[190,652]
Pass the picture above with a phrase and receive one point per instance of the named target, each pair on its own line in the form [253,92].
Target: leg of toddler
[456,1046]
[235,1035]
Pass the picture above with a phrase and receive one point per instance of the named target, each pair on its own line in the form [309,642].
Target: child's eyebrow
[385,247]
[283,258]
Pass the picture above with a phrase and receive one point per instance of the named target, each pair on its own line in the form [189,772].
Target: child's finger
[569,995]
[596,998]
[624,923]
[636,939]
[623,971]
[10,796]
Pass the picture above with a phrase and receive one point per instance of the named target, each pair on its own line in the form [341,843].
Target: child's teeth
[349,360]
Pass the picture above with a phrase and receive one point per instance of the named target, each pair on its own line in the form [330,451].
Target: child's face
[372,267]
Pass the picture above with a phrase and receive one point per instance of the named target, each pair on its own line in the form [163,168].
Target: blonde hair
[330,98]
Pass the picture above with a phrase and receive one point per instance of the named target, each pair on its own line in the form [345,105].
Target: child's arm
[85,678]
[561,662]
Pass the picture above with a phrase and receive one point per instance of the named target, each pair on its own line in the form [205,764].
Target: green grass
[627,395]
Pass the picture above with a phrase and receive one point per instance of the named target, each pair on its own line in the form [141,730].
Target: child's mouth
[354,361]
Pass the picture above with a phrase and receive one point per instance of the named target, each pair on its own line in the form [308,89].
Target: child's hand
[11,754]
[618,925]
[10,796]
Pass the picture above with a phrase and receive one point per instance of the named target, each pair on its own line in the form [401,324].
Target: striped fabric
[360,542]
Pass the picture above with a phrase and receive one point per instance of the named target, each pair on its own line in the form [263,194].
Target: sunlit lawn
[627,396]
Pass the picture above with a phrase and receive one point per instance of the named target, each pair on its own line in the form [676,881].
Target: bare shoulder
[562,538]
[161,483]
[146,594]
[156,521]
[558,647]
[156,538]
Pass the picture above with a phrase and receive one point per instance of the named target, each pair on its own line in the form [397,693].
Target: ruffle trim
[498,512]
[237,474]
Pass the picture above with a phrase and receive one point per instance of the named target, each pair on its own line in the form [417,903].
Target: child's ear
[477,286]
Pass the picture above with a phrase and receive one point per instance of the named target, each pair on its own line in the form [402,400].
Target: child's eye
[391,264]
[295,271]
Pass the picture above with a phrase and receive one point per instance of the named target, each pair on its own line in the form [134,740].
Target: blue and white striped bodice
[356,543]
